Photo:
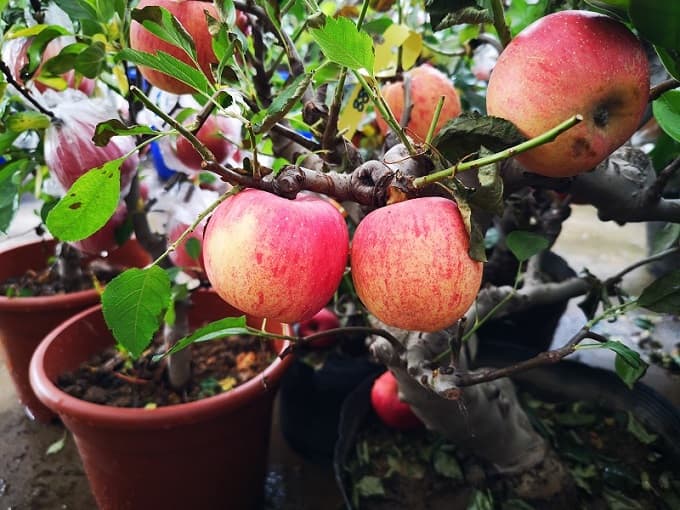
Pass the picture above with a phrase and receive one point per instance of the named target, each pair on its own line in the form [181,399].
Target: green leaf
[6,140]
[667,113]
[283,103]
[214,331]
[657,21]
[446,464]
[467,133]
[88,204]
[11,175]
[110,128]
[26,120]
[525,245]
[57,446]
[616,8]
[665,238]
[370,486]
[628,364]
[671,60]
[489,194]
[133,304]
[79,10]
[167,64]
[193,248]
[481,500]
[343,44]
[91,61]
[662,295]
[37,46]
[521,14]
[160,22]
[65,60]
[227,11]
[639,431]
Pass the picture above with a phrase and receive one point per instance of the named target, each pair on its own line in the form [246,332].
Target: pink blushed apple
[191,14]
[392,411]
[567,63]
[427,85]
[410,264]
[273,257]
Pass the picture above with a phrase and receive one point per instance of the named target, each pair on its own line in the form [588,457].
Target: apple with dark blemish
[568,63]
[411,267]
[273,257]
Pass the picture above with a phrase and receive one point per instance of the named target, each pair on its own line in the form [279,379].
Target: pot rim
[139,418]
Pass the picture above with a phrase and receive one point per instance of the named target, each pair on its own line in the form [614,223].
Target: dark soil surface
[615,462]
[217,366]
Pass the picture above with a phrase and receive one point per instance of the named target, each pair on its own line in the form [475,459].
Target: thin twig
[306,340]
[23,90]
[655,191]
[657,90]
[653,258]
[296,137]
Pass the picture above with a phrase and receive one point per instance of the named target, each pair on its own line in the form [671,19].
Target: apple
[191,14]
[68,148]
[181,257]
[14,52]
[566,63]
[324,320]
[104,239]
[392,411]
[213,134]
[410,264]
[273,257]
[427,85]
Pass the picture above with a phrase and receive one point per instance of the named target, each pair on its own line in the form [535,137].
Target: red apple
[68,148]
[566,63]
[411,267]
[427,85]
[104,239]
[273,257]
[390,409]
[324,320]
[191,14]
[213,134]
[181,257]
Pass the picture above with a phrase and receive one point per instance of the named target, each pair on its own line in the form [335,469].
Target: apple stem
[500,23]
[541,139]
[205,213]
[200,148]
[380,104]
[661,88]
[435,119]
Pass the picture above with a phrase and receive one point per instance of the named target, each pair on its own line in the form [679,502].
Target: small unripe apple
[411,267]
[191,14]
[323,320]
[567,63]
[273,257]
[392,411]
[214,134]
[427,85]
[104,239]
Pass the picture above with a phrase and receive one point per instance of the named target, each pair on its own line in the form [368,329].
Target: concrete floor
[603,248]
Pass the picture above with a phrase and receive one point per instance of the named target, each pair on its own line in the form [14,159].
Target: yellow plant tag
[354,111]
[386,53]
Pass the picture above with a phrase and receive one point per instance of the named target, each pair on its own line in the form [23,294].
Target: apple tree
[433,147]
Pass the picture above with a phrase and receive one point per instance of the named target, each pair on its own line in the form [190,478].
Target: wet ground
[32,479]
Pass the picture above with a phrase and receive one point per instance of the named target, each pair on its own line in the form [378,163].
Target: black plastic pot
[310,401]
[566,380]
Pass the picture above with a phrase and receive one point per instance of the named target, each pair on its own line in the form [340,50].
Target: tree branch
[23,90]
[659,89]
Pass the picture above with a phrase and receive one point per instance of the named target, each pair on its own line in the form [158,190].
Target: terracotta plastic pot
[207,454]
[24,321]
